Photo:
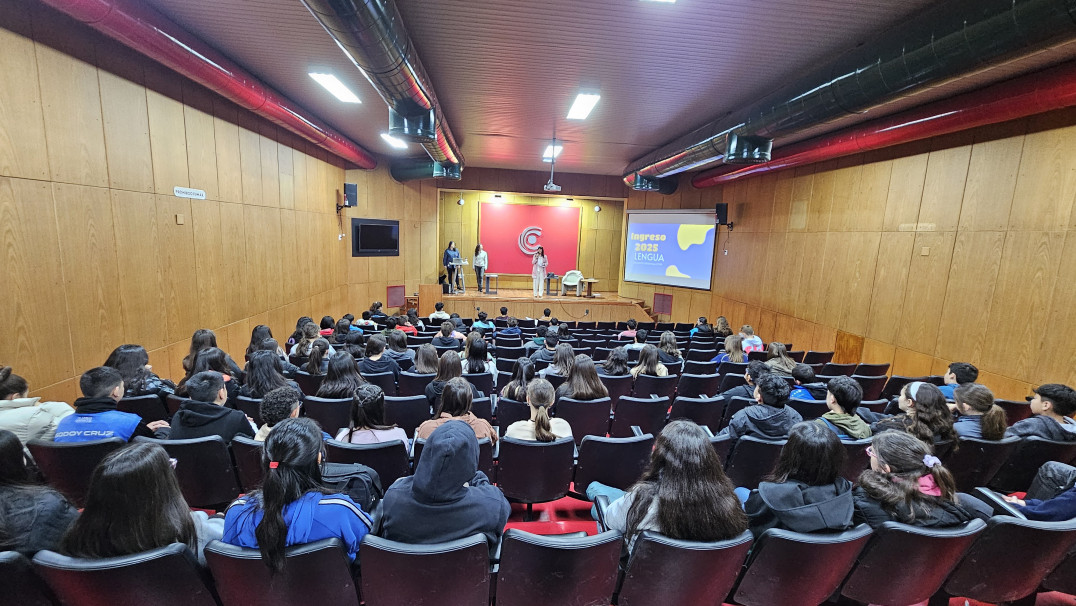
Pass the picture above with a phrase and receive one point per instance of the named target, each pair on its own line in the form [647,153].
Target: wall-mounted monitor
[375,238]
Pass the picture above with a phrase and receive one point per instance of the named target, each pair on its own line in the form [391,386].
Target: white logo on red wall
[528,239]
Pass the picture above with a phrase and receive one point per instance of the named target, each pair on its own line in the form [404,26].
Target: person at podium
[451,254]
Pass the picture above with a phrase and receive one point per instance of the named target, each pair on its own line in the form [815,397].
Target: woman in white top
[368,419]
[539,262]
[481,262]
[540,428]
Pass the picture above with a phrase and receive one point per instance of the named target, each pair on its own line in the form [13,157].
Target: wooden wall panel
[71,106]
[972,276]
[229,168]
[201,151]
[178,271]
[142,299]
[20,105]
[992,180]
[1055,359]
[906,182]
[126,124]
[1046,182]
[168,140]
[943,191]
[928,276]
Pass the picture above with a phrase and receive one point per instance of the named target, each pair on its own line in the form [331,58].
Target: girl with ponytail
[979,416]
[291,507]
[540,427]
[318,363]
[907,483]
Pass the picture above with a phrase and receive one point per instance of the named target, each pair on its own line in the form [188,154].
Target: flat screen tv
[375,238]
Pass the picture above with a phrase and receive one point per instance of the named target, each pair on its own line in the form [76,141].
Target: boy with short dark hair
[96,416]
[807,386]
[769,418]
[440,314]
[205,414]
[504,314]
[755,369]
[1054,405]
[960,373]
[843,396]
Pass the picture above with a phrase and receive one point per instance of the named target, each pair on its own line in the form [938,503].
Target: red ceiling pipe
[138,26]
[1043,91]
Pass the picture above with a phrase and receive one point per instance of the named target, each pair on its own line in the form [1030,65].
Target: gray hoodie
[762,421]
[1041,426]
[800,507]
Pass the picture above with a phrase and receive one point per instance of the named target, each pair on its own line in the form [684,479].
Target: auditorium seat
[817,357]
[1020,468]
[511,354]
[540,570]
[797,355]
[732,368]
[702,410]
[798,569]
[831,369]
[313,573]
[872,385]
[331,414]
[482,381]
[172,402]
[878,406]
[1014,411]
[1063,577]
[894,385]
[617,386]
[856,459]
[729,381]
[808,409]
[733,406]
[67,466]
[926,556]
[671,571]
[698,385]
[650,385]
[616,462]
[388,459]
[483,408]
[872,370]
[509,411]
[454,572]
[535,472]
[166,576]
[976,460]
[21,586]
[250,407]
[644,412]
[752,459]
[308,383]
[601,353]
[760,356]
[385,380]
[485,456]
[150,407]
[204,469]
[586,417]
[247,454]
[556,380]
[699,368]
[413,384]
[407,412]
[700,355]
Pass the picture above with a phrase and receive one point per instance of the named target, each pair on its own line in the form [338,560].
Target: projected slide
[670,248]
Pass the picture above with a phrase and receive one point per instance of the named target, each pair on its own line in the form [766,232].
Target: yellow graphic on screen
[675,273]
[690,235]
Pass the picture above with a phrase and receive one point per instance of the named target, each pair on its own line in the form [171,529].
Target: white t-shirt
[481,259]
[524,430]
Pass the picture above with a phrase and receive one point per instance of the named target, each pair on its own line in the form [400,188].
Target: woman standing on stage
[451,254]
[481,261]
[538,264]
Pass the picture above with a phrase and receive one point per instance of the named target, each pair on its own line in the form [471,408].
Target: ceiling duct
[372,34]
[951,40]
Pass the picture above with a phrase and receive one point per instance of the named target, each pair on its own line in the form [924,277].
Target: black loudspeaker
[722,212]
[351,195]
[446,288]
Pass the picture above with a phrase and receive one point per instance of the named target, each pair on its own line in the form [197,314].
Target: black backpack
[356,480]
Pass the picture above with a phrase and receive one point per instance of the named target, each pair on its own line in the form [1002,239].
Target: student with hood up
[447,498]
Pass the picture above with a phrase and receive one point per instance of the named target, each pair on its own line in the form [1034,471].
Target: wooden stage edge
[609,307]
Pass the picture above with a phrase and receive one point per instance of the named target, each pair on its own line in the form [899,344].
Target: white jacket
[31,419]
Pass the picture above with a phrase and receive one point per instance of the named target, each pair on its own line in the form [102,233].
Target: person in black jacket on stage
[451,254]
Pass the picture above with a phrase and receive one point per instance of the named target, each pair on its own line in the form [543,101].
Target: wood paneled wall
[97,251]
[599,232]
[956,248]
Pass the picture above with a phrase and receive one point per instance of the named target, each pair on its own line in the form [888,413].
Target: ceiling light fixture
[335,87]
[582,106]
[551,151]
[393,141]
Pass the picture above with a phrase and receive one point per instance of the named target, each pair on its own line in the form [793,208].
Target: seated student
[684,494]
[212,358]
[292,507]
[390,326]
[979,416]
[555,327]
[960,373]
[908,484]
[563,361]
[805,492]
[342,378]
[447,498]
[1052,496]
[483,322]
[376,361]
[138,379]
[504,315]
[317,362]
[287,368]
[733,351]
[414,320]
[32,517]
[540,427]
[396,349]
[722,328]
[751,342]
[367,424]
[769,418]
[376,311]
[203,338]
[649,363]
[445,338]
[308,334]
[701,327]
[538,342]
[615,364]
[923,414]
[354,326]
[512,330]
[455,403]
[426,360]
[264,374]
[440,314]
[328,326]
[96,417]
[298,334]
[134,505]
[354,345]
[545,315]
[277,405]
[755,369]
[522,375]
[448,367]
[548,351]
[778,360]
[205,415]
[1053,407]
[807,386]
[457,326]
[630,332]
[366,320]
[668,352]
[640,339]
[583,382]
[27,418]
[403,324]
[340,332]
[843,396]
[475,355]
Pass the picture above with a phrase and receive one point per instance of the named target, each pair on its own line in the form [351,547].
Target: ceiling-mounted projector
[551,186]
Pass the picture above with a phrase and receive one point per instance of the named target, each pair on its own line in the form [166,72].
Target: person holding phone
[539,262]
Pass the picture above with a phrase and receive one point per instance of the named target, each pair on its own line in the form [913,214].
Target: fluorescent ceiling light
[582,106]
[393,141]
[335,87]
[551,151]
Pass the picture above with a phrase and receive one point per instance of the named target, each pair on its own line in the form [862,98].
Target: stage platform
[608,307]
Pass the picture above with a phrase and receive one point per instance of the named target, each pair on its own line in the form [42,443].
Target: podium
[461,280]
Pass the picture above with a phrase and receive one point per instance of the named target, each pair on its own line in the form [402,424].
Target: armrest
[709,432]
[998,503]
[637,431]
[601,504]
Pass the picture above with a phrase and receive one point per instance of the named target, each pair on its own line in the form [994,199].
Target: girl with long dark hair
[583,382]
[134,505]
[264,374]
[32,517]
[426,360]
[367,424]
[805,492]
[292,507]
[202,338]
[522,375]
[342,378]
[354,344]
[396,349]
[649,363]
[563,361]
[212,358]
[132,361]
[455,403]
[340,332]
[615,364]
[475,355]
[318,360]
[448,367]
[924,414]
[683,494]
[258,335]
[668,352]
[298,334]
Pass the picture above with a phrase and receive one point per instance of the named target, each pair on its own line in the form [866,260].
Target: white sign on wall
[186,192]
